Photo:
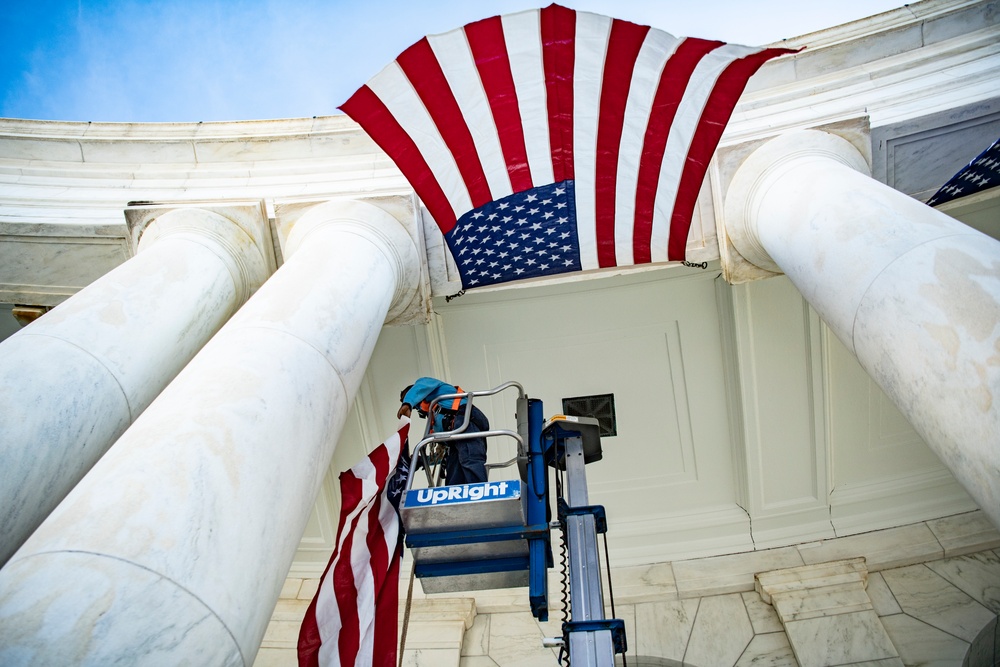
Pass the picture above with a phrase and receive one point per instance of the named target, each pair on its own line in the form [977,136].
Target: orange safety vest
[425,405]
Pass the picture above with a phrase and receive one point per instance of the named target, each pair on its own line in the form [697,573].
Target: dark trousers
[465,462]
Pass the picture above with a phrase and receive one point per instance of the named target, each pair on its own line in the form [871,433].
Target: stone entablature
[892,68]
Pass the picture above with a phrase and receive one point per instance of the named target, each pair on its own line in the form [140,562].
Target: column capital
[237,232]
[391,222]
[751,183]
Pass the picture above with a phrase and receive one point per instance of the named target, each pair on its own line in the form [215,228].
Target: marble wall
[742,423]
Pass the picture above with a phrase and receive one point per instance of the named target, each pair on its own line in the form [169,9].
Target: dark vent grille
[601,407]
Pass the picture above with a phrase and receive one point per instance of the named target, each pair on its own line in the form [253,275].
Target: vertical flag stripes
[352,620]
[624,117]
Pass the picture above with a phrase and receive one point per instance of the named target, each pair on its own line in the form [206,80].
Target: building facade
[806,466]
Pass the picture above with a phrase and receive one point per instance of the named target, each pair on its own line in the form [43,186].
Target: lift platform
[480,536]
[497,534]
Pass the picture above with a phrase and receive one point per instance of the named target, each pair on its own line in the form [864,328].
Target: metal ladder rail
[459,433]
[419,450]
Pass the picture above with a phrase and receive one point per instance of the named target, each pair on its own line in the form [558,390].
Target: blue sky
[204,60]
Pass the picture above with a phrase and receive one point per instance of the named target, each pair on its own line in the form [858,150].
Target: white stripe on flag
[592,33]
[397,93]
[390,523]
[327,612]
[390,532]
[327,619]
[364,580]
[364,584]
[453,53]
[700,86]
[329,651]
[523,35]
[361,557]
[656,49]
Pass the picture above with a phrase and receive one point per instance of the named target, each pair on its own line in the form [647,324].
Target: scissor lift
[497,534]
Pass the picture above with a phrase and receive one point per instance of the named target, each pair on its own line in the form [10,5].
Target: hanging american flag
[981,174]
[352,620]
[554,140]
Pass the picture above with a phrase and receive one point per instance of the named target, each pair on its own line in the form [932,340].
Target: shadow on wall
[15,317]
[650,661]
[8,325]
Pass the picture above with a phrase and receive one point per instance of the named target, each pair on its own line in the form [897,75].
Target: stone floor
[913,595]
[930,611]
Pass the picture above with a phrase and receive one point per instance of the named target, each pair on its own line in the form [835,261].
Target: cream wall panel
[319,536]
[402,354]
[678,480]
[789,465]
[594,364]
[653,340]
[777,408]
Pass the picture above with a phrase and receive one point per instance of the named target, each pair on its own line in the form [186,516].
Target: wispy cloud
[191,60]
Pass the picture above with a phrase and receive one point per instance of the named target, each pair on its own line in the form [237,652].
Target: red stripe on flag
[387,616]
[670,89]
[343,574]
[424,72]
[380,564]
[376,543]
[623,48]
[489,50]
[558,27]
[309,637]
[378,554]
[718,109]
[363,570]
[370,112]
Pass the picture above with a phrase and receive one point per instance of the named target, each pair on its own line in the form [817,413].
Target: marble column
[174,548]
[913,293]
[72,381]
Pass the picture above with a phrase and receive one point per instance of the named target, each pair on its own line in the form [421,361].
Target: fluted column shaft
[913,293]
[72,381]
[175,547]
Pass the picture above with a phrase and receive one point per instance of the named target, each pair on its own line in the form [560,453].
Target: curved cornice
[840,70]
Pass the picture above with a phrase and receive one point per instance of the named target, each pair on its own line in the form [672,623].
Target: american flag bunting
[552,140]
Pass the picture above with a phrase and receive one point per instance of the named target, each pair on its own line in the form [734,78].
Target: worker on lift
[465,462]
